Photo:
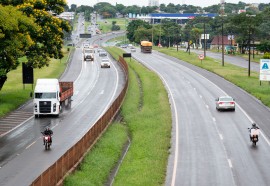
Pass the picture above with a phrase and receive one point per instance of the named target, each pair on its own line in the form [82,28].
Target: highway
[22,154]
[210,147]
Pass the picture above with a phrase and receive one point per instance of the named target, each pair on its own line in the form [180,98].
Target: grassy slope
[149,126]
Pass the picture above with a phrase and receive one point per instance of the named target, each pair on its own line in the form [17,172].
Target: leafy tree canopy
[41,33]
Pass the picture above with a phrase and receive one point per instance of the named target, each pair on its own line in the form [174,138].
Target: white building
[67,15]
[153,2]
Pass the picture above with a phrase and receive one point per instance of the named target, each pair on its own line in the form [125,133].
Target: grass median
[14,94]
[236,75]
[147,120]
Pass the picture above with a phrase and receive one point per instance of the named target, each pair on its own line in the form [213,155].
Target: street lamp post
[222,43]
[204,36]
[249,36]
[159,32]
[152,30]
[204,39]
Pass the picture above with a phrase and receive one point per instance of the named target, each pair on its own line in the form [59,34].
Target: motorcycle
[254,135]
[47,141]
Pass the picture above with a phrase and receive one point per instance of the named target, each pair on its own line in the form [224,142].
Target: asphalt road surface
[22,154]
[210,147]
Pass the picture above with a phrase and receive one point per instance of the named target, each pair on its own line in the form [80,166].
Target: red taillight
[220,102]
[232,103]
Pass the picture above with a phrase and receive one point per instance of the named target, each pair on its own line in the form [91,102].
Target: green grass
[234,74]
[14,94]
[104,155]
[149,126]
[106,24]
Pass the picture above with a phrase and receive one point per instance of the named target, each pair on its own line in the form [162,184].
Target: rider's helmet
[47,129]
[253,124]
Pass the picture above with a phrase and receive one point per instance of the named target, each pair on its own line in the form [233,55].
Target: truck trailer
[146,46]
[50,95]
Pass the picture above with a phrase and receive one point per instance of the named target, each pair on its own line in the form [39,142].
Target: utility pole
[222,2]
[152,30]
[249,41]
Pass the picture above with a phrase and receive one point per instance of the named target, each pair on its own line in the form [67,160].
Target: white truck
[50,95]
[88,53]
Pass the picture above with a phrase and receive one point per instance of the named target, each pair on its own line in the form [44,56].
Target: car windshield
[226,99]
[48,95]
[105,60]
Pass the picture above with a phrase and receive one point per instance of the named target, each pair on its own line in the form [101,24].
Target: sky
[201,3]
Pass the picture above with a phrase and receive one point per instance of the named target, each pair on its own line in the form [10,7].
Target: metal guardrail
[56,173]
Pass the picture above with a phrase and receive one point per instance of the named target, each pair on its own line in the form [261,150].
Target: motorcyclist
[47,132]
[254,126]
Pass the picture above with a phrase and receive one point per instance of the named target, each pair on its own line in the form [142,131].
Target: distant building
[67,15]
[156,18]
[153,2]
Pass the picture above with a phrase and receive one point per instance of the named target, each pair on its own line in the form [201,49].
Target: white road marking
[230,163]
[220,136]
[30,145]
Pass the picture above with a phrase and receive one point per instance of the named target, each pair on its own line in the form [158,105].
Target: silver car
[102,53]
[225,103]
[132,49]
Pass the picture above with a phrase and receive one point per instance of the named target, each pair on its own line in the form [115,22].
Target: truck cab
[88,54]
[49,96]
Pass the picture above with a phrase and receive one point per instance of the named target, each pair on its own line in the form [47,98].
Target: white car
[225,103]
[105,63]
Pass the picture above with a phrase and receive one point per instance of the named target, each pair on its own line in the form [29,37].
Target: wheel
[46,145]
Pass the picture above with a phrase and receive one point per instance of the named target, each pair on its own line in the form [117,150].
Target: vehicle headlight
[54,107]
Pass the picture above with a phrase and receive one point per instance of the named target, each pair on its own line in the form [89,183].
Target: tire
[46,146]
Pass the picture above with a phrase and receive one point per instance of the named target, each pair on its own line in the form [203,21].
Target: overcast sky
[201,3]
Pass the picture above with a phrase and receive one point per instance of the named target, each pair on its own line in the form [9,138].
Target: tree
[120,8]
[114,26]
[15,38]
[133,26]
[47,41]
[195,35]
[142,34]
[73,7]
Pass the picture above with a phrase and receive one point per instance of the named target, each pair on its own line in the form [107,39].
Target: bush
[266,55]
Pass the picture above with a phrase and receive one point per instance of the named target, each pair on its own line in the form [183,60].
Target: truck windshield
[89,51]
[49,95]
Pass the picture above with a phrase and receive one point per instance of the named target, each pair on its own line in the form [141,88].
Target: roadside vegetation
[234,74]
[147,119]
[105,25]
[14,94]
